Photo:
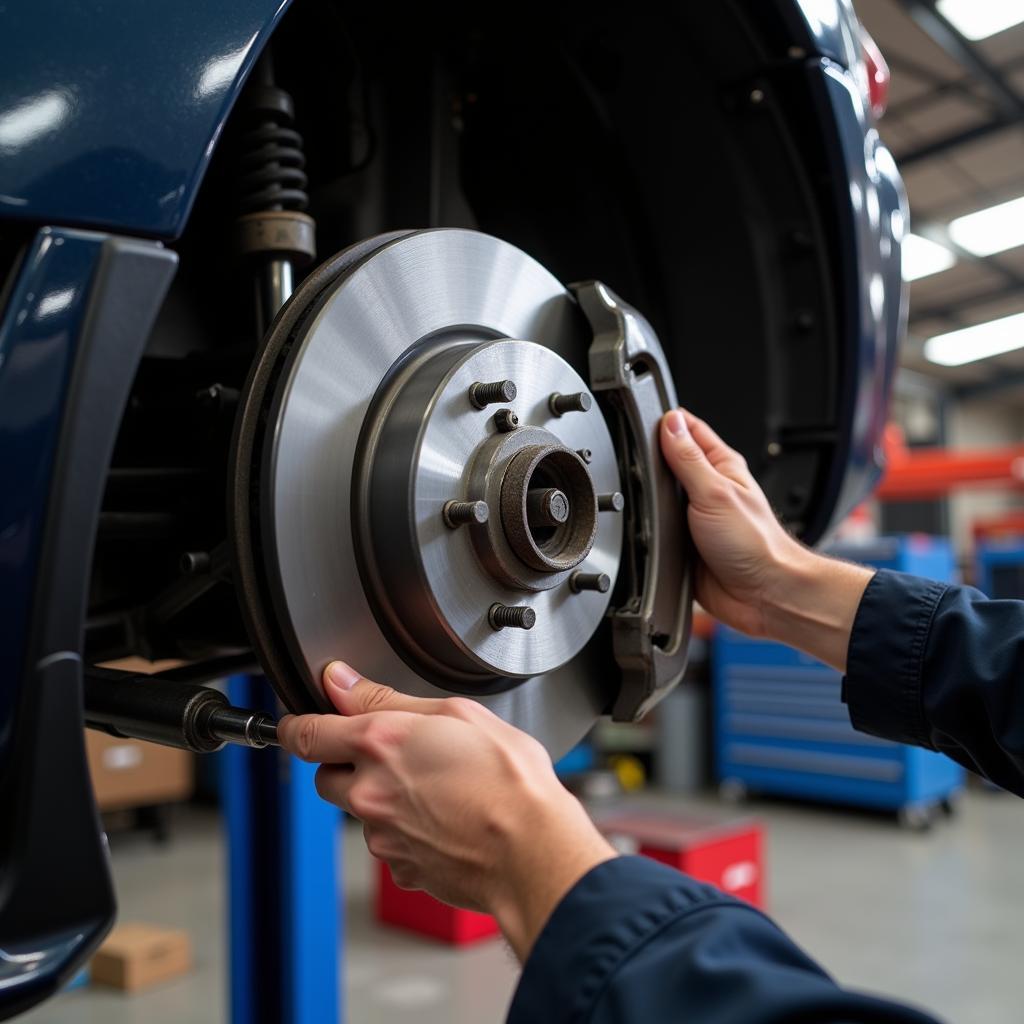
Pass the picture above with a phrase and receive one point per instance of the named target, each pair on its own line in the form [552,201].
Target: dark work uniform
[635,941]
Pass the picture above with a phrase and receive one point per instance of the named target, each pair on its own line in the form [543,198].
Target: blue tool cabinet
[781,727]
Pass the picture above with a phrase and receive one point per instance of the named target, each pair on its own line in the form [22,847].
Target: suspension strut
[273,232]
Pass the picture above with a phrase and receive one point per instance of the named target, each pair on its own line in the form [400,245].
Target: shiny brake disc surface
[359,435]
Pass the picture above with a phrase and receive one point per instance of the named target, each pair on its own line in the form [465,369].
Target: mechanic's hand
[455,800]
[743,548]
[752,574]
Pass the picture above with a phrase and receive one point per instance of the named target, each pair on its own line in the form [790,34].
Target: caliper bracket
[651,620]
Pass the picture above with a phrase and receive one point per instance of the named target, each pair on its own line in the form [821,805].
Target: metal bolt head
[506,420]
[613,502]
[546,506]
[463,513]
[585,454]
[519,616]
[483,395]
[561,404]
[598,581]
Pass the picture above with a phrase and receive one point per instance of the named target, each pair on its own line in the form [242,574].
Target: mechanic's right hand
[752,574]
[455,800]
[743,548]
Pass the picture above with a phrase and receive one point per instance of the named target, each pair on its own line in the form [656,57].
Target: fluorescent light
[979,342]
[978,19]
[921,257]
[992,230]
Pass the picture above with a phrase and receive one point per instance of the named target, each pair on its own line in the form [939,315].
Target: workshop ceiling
[956,126]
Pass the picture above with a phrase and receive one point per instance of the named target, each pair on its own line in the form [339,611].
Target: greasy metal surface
[651,631]
[405,291]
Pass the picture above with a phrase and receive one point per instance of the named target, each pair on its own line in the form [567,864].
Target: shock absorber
[273,231]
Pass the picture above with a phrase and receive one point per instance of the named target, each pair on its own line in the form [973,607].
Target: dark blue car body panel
[108,120]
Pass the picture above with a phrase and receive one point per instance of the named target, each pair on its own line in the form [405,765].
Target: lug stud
[483,395]
[518,616]
[546,506]
[506,420]
[585,454]
[598,581]
[613,502]
[462,513]
[561,404]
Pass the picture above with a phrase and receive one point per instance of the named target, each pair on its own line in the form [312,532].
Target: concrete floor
[934,919]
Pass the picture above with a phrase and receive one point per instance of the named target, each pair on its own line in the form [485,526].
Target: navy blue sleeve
[636,941]
[942,667]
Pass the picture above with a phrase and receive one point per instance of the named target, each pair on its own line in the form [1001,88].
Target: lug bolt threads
[546,506]
[505,419]
[483,395]
[585,454]
[613,502]
[561,404]
[463,513]
[518,616]
[598,581]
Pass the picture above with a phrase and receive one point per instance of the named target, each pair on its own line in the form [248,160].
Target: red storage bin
[729,854]
[420,912]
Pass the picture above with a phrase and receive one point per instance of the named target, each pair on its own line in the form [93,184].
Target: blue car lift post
[284,907]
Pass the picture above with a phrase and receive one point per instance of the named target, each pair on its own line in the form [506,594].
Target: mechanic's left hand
[455,800]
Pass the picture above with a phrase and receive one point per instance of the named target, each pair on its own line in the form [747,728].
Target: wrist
[812,603]
[551,849]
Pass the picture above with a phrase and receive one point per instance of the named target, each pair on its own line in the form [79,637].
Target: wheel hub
[432,584]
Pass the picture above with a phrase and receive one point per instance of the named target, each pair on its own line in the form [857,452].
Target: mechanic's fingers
[701,481]
[353,694]
[333,782]
[725,459]
[328,738]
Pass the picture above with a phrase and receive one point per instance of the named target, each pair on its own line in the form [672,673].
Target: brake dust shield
[425,486]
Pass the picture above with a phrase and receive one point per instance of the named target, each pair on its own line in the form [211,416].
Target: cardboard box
[131,773]
[137,956]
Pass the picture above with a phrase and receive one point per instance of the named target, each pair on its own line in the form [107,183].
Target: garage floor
[935,919]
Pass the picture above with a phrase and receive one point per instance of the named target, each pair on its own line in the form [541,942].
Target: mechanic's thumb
[685,457]
[353,694]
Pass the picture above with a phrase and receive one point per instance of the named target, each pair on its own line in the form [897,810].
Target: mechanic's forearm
[812,603]
[548,853]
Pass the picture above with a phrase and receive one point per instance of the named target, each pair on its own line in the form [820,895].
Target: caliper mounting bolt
[483,395]
[461,513]
[561,404]
[613,502]
[506,420]
[598,581]
[518,616]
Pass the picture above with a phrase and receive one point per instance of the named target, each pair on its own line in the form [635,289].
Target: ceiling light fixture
[969,344]
[979,19]
[921,257]
[992,230]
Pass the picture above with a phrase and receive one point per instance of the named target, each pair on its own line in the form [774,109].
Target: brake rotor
[365,419]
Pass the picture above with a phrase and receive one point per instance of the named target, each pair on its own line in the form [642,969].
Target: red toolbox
[420,912]
[727,854]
